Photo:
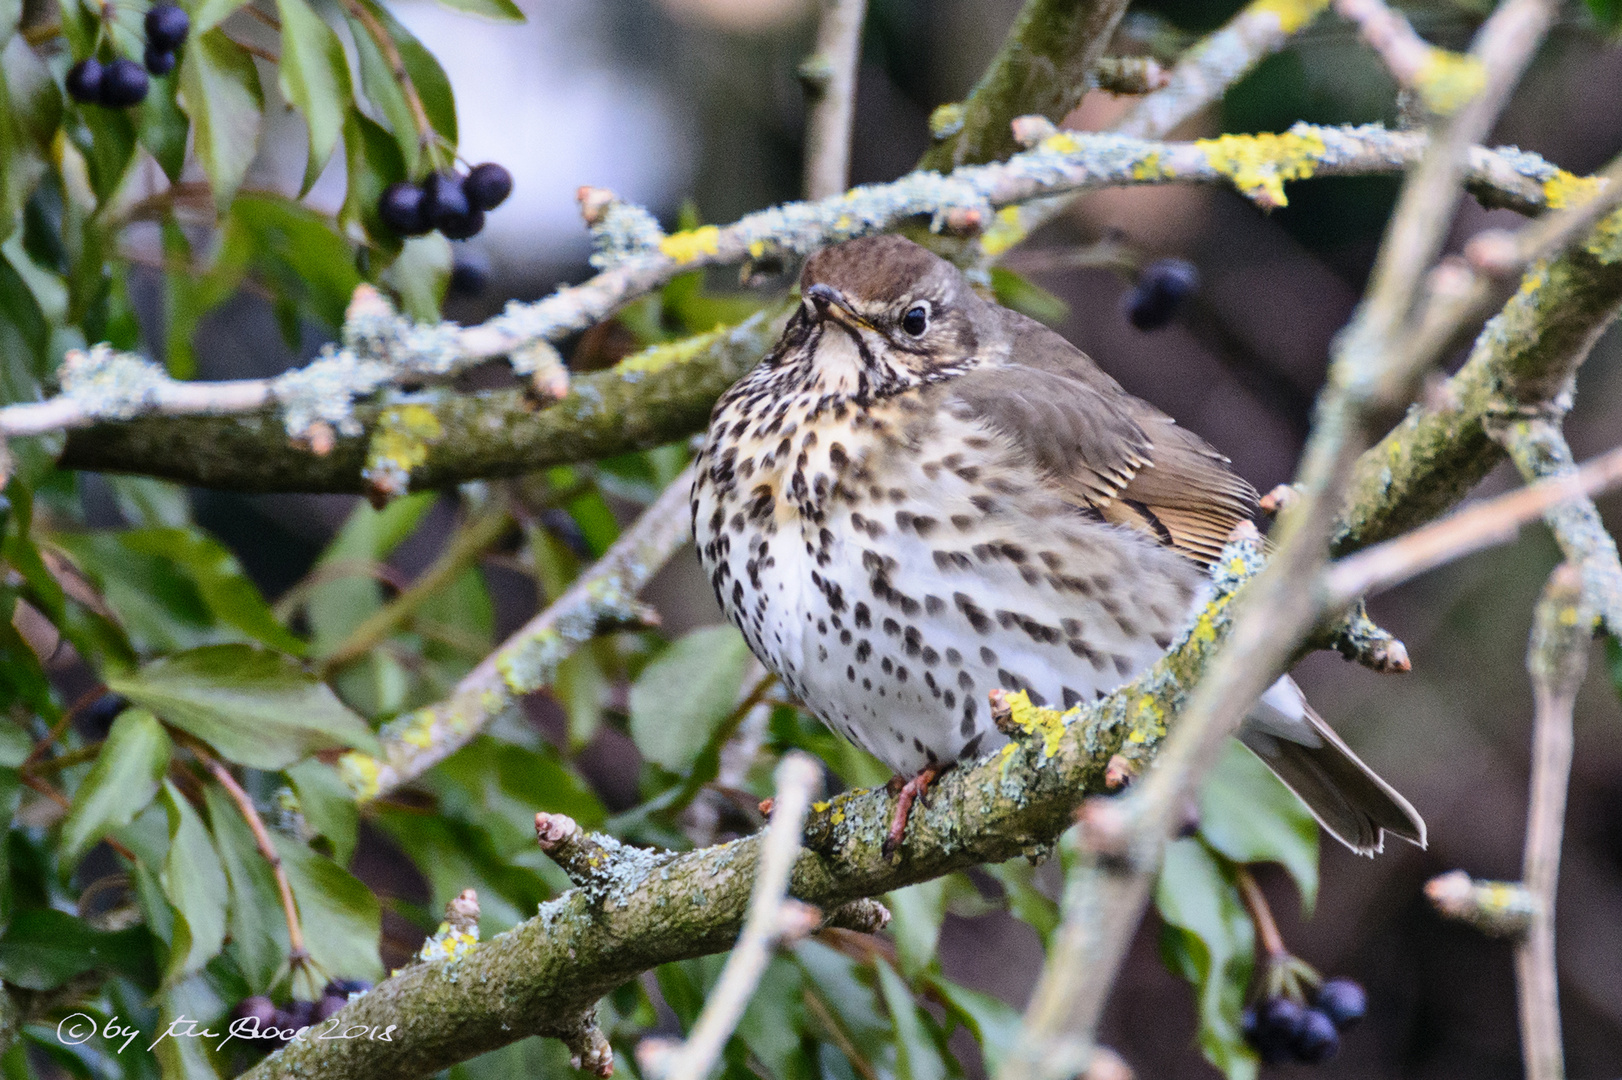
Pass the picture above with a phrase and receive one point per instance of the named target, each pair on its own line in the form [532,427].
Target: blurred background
[695,103]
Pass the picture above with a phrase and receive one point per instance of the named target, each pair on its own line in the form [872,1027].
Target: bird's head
[882,314]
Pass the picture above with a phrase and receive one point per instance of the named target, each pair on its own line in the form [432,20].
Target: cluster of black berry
[121,82]
[261,1021]
[447,201]
[1162,287]
[1282,1029]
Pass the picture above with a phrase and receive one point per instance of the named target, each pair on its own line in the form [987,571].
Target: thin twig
[46,789]
[797,777]
[1475,528]
[464,548]
[603,597]
[829,75]
[1539,450]
[1557,660]
[1260,912]
[297,953]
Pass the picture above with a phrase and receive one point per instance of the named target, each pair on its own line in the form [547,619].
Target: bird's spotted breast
[894,564]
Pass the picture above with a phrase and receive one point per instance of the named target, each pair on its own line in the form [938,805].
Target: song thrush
[919,496]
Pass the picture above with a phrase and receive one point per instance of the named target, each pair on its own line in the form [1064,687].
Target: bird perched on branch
[920,496]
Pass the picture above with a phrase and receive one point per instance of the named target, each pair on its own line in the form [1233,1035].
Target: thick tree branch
[1043,67]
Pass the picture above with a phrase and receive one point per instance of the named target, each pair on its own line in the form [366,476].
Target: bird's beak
[828,302]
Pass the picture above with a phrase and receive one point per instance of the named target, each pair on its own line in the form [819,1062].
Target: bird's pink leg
[908,791]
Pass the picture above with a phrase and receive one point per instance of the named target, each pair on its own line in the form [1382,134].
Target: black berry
[463,228]
[84,80]
[97,719]
[1343,1001]
[1162,287]
[123,83]
[488,185]
[327,1007]
[1316,1040]
[159,61]
[298,1014]
[259,1007]
[1272,1028]
[166,27]
[445,202]
[469,277]
[404,209]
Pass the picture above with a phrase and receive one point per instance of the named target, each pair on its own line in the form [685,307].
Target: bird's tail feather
[1348,798]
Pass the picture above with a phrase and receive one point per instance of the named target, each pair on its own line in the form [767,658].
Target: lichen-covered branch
[1042,67]
[604,598]
[1496,908]
[1539,450]
[436,436]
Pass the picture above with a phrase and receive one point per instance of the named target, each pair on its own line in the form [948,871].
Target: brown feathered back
[1105,449]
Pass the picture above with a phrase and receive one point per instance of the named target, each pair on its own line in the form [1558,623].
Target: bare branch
[1496,908]
[829,75]
[1443,80]
[1539,450]
[771,918]
[1475,528]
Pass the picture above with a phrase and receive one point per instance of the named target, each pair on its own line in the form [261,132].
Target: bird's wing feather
[1104,448]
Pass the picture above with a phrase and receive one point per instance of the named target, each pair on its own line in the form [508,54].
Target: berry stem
[427,137]
[295,930]
[1260,913]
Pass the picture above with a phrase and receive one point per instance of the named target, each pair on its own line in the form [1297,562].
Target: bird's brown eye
[916,320]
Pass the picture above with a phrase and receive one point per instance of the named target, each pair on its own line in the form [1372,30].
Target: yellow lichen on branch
[1259,165]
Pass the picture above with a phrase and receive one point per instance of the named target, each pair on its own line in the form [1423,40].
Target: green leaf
[44,948]
[772,1026]
[917,912]
[390,117]
[120,784]
[1208,940]
[1026,297]
[495,10]
[220,580]
[315,79]
[328,805]
[374,162]
[1608,13]
[258,928]
[433,86]
[195,885]
[994,1023]
[681,698]
[341,917]
[834,979]
[420,276]
[207,14]
[255,707]
[917,1055]
[219,91]
[1026,902]
[300,255]
[163,128]
[499,787]
[1248,815]
[343,602]
[156,603]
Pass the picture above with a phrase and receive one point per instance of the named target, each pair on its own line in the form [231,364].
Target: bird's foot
[907,792]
